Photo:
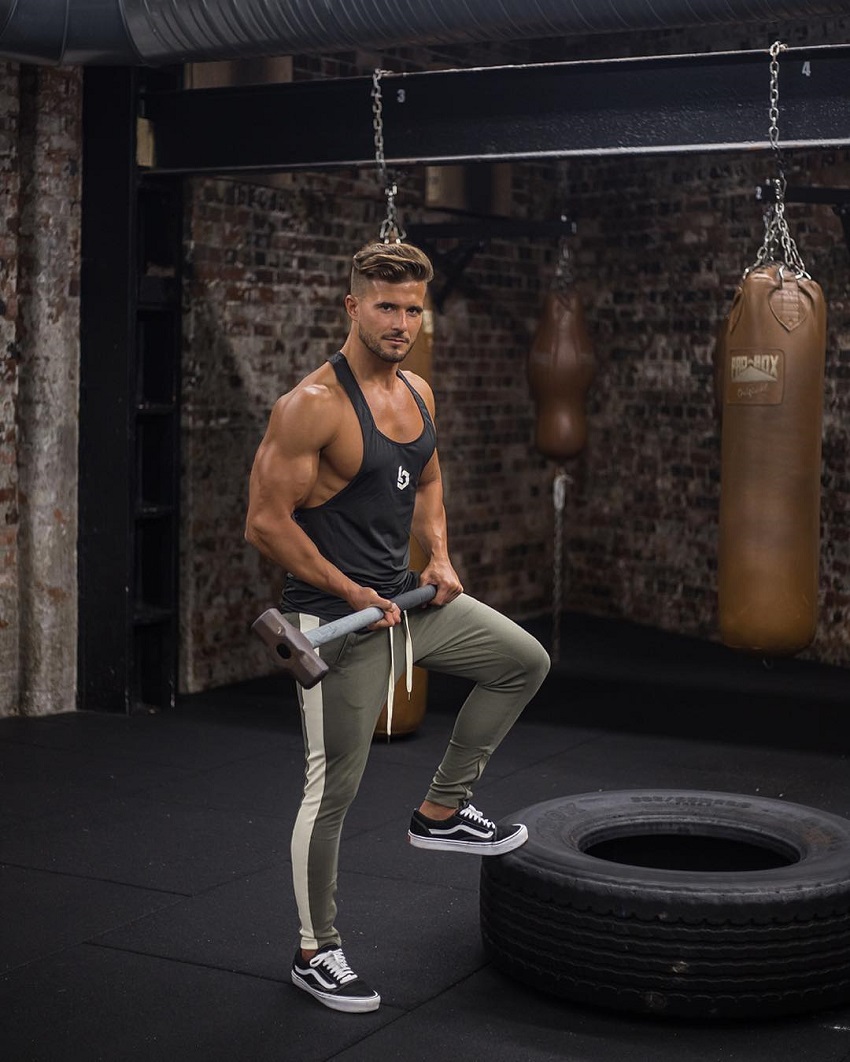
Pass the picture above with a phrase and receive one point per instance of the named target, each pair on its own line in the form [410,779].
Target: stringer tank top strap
[420,401]
[351,388]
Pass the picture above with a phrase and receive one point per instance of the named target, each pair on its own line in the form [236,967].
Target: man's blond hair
[393,263]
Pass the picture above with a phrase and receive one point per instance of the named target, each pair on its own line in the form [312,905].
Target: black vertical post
[107,341]
[155,418]
[129,408]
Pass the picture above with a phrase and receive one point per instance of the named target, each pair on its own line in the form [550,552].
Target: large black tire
[669,902]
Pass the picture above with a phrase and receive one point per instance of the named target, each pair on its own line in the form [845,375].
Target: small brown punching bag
[560,371]
[772,355]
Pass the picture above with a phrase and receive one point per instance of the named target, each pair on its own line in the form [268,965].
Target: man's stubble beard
[373,343]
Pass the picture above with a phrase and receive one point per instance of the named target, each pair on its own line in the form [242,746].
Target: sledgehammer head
[293,648]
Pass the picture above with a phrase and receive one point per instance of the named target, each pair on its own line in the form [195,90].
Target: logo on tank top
[403,478]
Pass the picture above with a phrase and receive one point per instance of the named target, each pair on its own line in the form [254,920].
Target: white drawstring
[390,686]
[408,657]
[408,671]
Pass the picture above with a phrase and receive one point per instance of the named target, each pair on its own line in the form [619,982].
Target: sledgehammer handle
[358,621]
[296,650]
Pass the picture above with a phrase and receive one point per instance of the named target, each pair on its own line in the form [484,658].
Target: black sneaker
[329,978]
[465,831]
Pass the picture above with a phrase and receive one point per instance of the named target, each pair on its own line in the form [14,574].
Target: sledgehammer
[295,649]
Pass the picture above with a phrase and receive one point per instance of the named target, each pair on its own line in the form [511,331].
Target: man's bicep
[287,463]
[431,472]
[282,478]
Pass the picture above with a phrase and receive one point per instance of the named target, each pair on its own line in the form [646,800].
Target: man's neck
[368,367]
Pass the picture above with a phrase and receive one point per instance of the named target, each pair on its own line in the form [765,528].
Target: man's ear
[351,304]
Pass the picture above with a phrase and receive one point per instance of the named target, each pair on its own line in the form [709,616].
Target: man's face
[388,317]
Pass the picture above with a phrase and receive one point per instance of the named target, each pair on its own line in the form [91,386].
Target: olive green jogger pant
[465,638]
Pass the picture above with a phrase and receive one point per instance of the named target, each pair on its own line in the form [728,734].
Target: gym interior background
[660,243]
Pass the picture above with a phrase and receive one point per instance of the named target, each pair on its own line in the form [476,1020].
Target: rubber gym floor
[145,897]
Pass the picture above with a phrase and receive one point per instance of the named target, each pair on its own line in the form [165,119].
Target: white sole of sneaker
[348,1004]
[482,848]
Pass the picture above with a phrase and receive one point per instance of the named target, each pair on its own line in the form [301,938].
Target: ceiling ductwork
[171,31]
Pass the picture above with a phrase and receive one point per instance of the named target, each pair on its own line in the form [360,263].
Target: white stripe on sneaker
[461,827]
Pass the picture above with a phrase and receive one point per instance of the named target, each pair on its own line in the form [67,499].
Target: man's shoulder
[421,386]
[314,404]
[319,390]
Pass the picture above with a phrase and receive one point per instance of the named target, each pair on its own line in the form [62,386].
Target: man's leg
[469,639]
[338,719]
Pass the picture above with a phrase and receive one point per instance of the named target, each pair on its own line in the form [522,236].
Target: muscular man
[347,469]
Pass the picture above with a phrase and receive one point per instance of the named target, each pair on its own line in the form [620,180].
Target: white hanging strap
[559,492]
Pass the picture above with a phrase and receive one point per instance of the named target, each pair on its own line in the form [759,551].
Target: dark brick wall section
[265,279]
[660,246]
[665,243]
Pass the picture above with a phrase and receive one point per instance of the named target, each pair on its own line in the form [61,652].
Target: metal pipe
[173,31]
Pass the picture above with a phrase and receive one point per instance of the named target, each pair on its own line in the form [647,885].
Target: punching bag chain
[559,493]
[391,230]
[778,245]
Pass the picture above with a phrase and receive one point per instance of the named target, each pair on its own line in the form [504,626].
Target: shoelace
[336,964]
[469,812]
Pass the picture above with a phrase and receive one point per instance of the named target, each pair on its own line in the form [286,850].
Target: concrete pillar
[9,192]
[49,324]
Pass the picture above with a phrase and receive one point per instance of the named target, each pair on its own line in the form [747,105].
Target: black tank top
[364,529]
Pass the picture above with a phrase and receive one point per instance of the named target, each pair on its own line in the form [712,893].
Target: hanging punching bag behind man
[560,371]
[773,351]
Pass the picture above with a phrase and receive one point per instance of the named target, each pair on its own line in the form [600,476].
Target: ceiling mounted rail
[662,104]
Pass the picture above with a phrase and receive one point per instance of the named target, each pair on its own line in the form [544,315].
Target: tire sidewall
[815,883]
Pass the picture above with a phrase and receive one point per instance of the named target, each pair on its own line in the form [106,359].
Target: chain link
[778,244]
[559,493]
[391,230]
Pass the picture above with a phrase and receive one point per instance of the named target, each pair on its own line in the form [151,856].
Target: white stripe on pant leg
[312,707]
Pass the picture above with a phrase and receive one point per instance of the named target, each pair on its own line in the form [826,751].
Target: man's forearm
[429,521]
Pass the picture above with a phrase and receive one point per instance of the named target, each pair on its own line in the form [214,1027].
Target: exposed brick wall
[661,246]
[265,278]
[9,360]
[268,272]
[642,515]
[661,243]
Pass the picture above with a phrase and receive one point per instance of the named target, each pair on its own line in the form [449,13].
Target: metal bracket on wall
[837,198]
[472,236]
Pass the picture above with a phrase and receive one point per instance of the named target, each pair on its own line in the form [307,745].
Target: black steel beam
[662,104]
[494,228]
[799,194]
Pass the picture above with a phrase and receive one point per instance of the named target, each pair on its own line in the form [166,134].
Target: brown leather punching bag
[773,353]
[560,371]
